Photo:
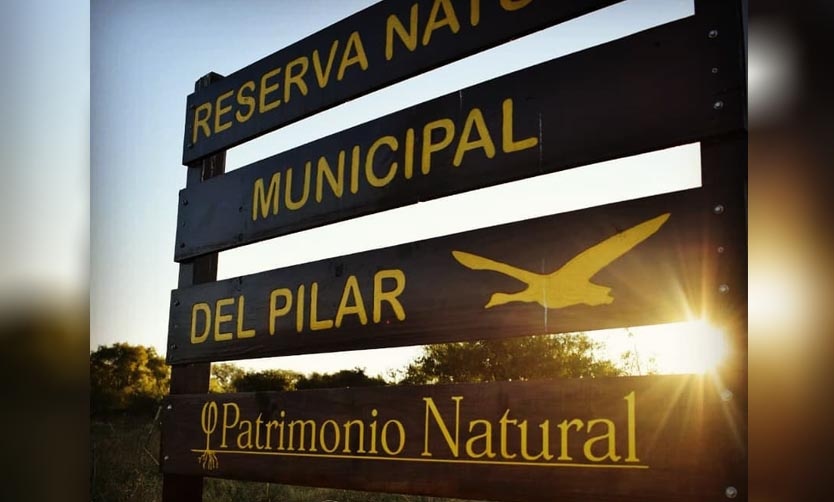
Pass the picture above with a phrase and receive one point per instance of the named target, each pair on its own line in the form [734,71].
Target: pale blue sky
[145,58]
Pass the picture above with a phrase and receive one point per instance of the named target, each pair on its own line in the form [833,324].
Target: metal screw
[173,346]
[720,249]
[731,492]
[169,407]
[726,395]
[190,146]
[718,209]
[714,70]
[713,34]
[718,105]
[185,202]
[723,289]
[182,244]
[166,457]
[176,303]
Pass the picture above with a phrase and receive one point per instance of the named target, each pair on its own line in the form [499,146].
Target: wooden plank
[194,378]
[378,46]
[654,438]
[654,260]
[645,92]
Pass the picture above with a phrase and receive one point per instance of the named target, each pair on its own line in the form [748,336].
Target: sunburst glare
[676,348]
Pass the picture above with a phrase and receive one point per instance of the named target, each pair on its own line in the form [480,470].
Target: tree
[630,360]
[548,356]
[344,378]
[223,376]
[127,377]
[266,380]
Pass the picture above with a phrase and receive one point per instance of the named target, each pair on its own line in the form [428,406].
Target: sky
[145,57]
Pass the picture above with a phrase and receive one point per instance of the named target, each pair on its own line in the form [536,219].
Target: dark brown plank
[445,31]
[649,91]
[438,290]
[672,438]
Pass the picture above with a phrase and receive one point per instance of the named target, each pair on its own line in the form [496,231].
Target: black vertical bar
[724,163]
[193,378]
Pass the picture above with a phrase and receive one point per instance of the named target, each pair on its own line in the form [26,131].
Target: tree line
[127,378]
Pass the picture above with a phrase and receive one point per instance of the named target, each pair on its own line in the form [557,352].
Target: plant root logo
[208,419]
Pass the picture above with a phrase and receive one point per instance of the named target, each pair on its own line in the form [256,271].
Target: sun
[706,348]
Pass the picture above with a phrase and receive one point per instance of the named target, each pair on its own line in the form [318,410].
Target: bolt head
[720,249]
[714,70]
[731,492]
[713,34]
[723,289]
[726,395]
[718,105]
[166,457]
[169,407]
[718,209]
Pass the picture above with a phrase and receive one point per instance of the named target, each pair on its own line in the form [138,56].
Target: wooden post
[194,378]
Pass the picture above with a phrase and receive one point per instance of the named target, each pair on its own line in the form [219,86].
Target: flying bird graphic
[571,284]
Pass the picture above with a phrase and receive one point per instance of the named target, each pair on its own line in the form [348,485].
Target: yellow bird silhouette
[571,284]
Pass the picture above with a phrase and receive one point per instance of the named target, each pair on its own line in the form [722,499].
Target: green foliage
[549,356]
[266,380]
[231,378]
[126,377]
[344,378]
[223,376]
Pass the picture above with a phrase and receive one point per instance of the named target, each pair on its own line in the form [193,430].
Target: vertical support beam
[194,378]
[724,165]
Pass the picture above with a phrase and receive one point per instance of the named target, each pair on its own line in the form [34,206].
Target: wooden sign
[639,262]
[648,91]
[666,258]
[627,438]
[378,46]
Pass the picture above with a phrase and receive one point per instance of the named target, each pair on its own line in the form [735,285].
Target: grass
[123,465]
[124,468]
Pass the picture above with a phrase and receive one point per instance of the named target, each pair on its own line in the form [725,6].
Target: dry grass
[123,461]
